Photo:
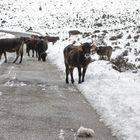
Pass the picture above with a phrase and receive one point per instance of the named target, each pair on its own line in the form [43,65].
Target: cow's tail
[21,47]
[21,51]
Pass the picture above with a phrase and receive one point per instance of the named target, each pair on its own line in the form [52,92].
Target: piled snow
[114,95]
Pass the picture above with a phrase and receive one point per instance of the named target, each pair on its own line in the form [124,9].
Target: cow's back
[52,38]
[72,55]
[31,43]
[9,44]
[74,32]
[104,50]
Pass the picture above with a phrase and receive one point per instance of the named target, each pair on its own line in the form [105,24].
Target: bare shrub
[121,64]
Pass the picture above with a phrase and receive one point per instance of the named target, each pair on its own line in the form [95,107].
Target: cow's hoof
[66,81]
[79,82]
[72,82]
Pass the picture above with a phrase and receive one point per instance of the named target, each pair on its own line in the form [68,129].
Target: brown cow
[74,32]
[104,52]
[52,39]
[77,56]
[12,45]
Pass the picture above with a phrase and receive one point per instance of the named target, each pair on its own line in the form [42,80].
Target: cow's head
[57,38]
[86,47]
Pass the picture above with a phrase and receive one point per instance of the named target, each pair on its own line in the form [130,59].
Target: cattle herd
[74,55]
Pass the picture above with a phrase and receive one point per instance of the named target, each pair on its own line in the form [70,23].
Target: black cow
[77,56]
[41,48]
[12,45]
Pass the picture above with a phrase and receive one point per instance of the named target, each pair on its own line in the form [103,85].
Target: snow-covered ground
[114,95]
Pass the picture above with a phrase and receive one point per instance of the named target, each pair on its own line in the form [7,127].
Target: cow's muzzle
[87,55]
[43,56]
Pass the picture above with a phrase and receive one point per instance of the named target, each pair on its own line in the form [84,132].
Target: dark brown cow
[77,56]
[39,45]
[41,48]
[52,39]
[31,45]
[74,32]
[12,45]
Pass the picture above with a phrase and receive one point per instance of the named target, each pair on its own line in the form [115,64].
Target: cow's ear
[93,42]
[93,46]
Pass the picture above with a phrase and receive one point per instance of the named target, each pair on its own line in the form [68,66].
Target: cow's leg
[28,51]
[32,52]
[99,57]
[79,73]
[0,55]
[108,57]
[102,57]
[39,56]
[17,56]
[71,74]
[84,72]
[19,52]
[36,54]
[67,74]
[5,57]
[105,58]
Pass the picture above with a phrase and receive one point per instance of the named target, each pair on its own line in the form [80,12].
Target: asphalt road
[36,104]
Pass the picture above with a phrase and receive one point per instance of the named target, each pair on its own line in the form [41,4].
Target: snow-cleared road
[36,104]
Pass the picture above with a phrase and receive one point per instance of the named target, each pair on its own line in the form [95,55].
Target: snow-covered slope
[114,95]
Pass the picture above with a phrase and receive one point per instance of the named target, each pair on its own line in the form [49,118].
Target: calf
[104,52]
[41,48]
[52,39]
[12,45]
[77,56]
[74,32]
